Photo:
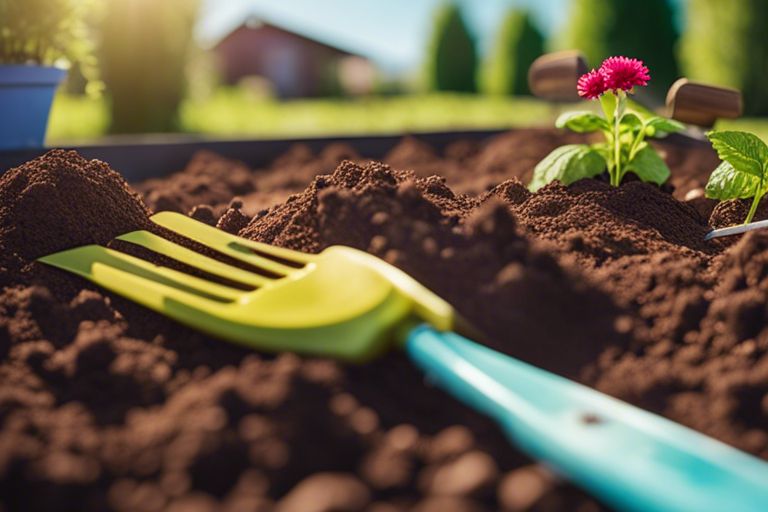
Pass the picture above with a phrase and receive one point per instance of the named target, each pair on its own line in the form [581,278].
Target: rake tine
[140,280]
[177,252]
[231,245]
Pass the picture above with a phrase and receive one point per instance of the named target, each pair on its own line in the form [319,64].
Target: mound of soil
[467,250]
[60,201]
[107,406]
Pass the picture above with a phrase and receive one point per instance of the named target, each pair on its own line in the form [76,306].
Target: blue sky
[392,32]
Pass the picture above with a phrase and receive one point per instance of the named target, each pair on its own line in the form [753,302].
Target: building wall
[294,65]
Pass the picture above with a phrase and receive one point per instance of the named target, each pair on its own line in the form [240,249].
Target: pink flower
[623,73]
[591,85]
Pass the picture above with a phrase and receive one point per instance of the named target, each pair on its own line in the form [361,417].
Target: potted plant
[39,39]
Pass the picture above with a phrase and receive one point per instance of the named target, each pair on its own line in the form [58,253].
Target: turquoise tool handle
[629,458]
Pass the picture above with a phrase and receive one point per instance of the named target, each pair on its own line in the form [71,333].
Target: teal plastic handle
[629,458]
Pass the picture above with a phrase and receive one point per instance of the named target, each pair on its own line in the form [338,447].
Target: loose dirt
[107,406]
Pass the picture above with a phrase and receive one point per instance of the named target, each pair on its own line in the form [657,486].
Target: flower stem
[636,144]
[616,177]
[633,150]
[753,208]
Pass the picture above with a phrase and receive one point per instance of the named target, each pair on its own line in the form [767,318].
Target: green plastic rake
[341,303]
[348,304]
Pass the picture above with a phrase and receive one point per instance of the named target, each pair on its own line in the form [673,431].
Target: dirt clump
[598,222]
[60,200]
[734,212]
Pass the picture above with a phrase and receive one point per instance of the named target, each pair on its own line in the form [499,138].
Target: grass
[231,112]
[76,118]
[235,113]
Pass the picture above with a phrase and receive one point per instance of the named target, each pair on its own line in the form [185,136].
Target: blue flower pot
[26,94]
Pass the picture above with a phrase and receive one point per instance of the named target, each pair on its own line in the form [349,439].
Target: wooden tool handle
[702,104]
[554,76]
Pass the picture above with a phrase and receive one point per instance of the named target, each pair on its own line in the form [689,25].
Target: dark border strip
[142,157]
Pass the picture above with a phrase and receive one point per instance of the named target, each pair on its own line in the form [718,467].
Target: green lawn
[75,118]
[234,113]
[228,113]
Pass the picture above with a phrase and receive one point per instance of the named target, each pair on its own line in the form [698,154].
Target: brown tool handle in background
[702,104]
[554,76]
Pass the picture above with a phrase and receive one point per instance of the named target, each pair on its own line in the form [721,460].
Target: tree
[725,44]
[143,57]
[518,43]
[644,30]
[451,58]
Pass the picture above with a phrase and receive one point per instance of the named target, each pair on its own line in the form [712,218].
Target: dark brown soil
[39,214]
[106,406]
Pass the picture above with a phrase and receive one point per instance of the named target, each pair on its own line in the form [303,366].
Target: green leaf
[660,126]
[631,121]
[744,151]
[649,166]
[567,164]
[726,182]
[582,122]
[604,149]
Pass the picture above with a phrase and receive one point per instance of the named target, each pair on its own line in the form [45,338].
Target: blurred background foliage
[51,32]
[518,43]
[143,52]
[729,46]
[160,77]
[43,32]
[645,30]
[451,62]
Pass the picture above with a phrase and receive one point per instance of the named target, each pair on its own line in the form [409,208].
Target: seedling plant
[743,172]
[623,127]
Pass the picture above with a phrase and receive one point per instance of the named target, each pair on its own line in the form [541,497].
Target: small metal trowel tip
[736,230]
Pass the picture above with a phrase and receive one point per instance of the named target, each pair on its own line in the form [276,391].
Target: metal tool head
[340,303]
[554,76]
[702,104]
[736,230]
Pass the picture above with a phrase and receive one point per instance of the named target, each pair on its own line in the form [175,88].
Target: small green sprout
[743,172]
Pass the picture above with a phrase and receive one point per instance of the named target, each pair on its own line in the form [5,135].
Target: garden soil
[107,406]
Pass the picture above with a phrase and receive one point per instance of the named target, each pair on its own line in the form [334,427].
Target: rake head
[340,303]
